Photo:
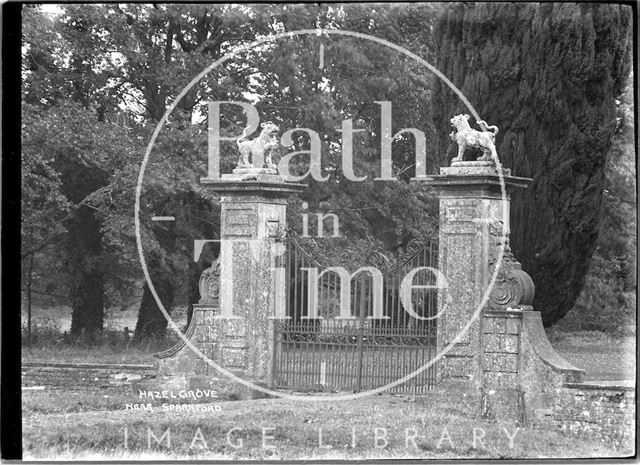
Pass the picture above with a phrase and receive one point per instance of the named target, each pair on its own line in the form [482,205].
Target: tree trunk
[87,287]
[29,280]
[152,323]
[193,295]
[83,243]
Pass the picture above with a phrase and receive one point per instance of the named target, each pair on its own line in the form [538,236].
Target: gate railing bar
[365,351]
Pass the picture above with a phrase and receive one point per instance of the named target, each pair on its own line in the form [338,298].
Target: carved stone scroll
[209,284]
[513,288]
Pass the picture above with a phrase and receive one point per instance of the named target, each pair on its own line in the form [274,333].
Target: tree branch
[55,236]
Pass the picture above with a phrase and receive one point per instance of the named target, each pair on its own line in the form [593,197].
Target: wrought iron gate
[318,349]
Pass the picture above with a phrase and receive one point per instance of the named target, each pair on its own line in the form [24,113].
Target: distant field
[115,319]
[50,323]
[603,357]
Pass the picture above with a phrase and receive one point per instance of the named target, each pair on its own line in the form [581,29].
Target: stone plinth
[236,331]
[471,211]
[504,358]
[501,395]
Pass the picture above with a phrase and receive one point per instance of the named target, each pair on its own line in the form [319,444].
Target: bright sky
[51,9]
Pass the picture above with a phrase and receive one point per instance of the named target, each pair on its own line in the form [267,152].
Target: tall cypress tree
[547,75]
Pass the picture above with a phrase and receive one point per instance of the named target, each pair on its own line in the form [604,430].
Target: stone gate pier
[497,350]
[232,325]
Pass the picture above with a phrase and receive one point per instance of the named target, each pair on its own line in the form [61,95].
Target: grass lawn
[603,357]
[50,323]
[103,354]
[77,425]
[92,426]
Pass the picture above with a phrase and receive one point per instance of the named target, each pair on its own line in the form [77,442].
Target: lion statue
[258,148]
[466,137]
